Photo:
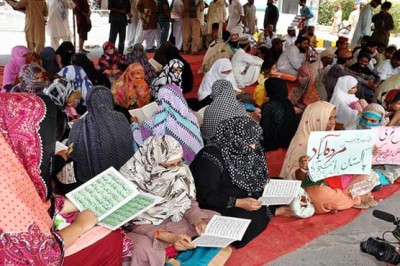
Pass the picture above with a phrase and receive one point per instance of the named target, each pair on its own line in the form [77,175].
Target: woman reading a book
[137,55]
[231,173]
[130,90]
[171,74]
[101,139]
[330,194]
[27,234]
[157,168]
[173,118]
[224,105]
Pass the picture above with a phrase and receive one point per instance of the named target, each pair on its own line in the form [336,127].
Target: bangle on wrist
[231,202]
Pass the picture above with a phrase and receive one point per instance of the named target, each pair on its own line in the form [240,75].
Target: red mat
[286,234]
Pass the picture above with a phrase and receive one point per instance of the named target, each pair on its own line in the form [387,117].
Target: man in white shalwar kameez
[293,57]
[236,14]
[246,67]
[216,14]
[132,29]
[353,19]
[250,19]
[290,38]
[363,27]
[57,25]
[177,15]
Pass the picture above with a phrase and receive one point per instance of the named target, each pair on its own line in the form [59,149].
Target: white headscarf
[342,100]
[175,185]
[214,74]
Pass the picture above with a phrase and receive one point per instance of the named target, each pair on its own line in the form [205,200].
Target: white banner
[335,153]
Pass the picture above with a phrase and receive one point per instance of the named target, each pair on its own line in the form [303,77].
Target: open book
[71,123]
[200,114]
[145,112]
[112,198]
[222,231]
[60,146]
[280,192]
[157,66]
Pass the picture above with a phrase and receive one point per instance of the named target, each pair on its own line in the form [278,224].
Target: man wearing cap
[246,67]
[321,67]
[342,43]
[341,69]
[290,38]
[271,14]
[293,57]
[364,22]
[389,67]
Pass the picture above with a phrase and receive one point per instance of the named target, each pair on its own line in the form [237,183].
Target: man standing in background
[191,26]
[363,27]
[250,19]
[236,14]
[305,15]
[383,24]
[120,10]
[132,27]
[216,15]
[163,16]
[148,15]
[57,24]
[353,19]
[271,15]
[337,19]
[35,22]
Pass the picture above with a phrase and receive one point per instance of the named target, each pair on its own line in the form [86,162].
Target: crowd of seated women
[216,166]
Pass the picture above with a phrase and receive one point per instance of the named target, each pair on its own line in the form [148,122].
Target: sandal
[373,203]
[361,206]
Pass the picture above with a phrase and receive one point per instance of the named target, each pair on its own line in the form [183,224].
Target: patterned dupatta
[174,184]
[25,224]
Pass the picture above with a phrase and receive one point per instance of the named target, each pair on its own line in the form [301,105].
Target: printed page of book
[212,241]
[200,114]
[279,191]
[130,210]
[71,123]
[104,193]
[145,112]
[150,109]
[60,147]
[227,227]
[157,66]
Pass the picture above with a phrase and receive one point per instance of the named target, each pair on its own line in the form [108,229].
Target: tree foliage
[328,7]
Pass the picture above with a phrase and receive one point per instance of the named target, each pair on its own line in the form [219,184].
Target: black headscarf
[224,106]
[95,76]
[187,75]
[102,138]
[246,166]
[278,113]
[66,50]
[48,56]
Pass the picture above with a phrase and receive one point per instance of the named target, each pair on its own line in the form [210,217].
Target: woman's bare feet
[283,211]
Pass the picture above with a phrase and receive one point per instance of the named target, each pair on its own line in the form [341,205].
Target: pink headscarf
[13,66]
